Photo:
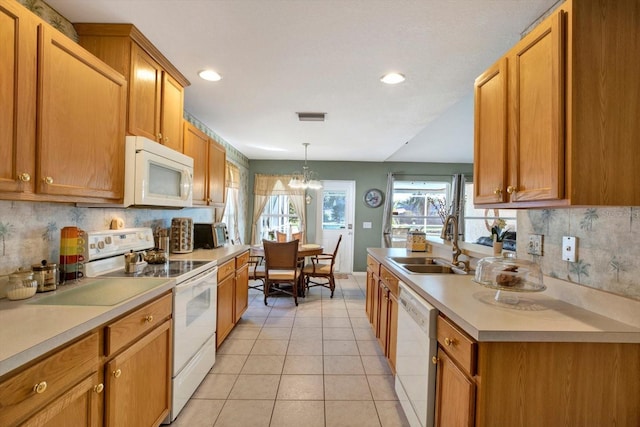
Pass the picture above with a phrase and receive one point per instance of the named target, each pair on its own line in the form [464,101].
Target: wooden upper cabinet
[217,174]
[18,59]
[490,152]
[80,141]
[144,95]
[172,112]
[519,119]
[571,112]
[156,87]
[196,145]
[536,119]
[209,168]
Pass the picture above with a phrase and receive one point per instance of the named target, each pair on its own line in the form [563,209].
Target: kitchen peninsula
[545,362]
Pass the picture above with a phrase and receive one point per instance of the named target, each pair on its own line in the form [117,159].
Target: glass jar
[21,285]
[46,275]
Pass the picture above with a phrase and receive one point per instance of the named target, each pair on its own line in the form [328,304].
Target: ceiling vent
[311,117]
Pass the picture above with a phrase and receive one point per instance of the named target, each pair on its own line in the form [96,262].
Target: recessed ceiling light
[392,78]
[210,75]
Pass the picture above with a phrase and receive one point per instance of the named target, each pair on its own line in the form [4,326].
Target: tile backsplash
[30,231]
[608,241]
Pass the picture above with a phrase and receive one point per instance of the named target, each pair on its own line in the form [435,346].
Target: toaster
[210,236]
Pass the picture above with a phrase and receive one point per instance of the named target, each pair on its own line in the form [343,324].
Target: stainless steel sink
[412,260]
[425,269]
[425,265]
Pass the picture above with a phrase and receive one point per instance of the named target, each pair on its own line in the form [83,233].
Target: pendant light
[306,179]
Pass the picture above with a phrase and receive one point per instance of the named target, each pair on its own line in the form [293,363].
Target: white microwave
[156,175]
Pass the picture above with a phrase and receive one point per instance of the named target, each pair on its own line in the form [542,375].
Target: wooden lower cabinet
[485,384]
[382,308]
[225,318]
[54,387]
[233,294]
[455,394]
[242,291]
[81,406]
[138,381]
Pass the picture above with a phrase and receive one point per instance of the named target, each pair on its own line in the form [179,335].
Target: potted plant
[498,232]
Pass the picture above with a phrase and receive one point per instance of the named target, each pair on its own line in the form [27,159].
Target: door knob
[511,189]
[117,373]
[48,180]
[25,177]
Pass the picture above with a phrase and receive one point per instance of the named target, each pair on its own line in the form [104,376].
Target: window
[423,206]
[280,215]
[418,205]
[478,222]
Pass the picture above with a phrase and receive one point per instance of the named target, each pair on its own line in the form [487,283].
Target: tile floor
[317,364]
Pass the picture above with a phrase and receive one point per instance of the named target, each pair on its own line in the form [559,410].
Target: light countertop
[221,254]
[30,330]
[538,317]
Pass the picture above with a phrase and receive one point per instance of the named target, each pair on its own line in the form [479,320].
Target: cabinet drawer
[389,279]
[457,344]
[226,269]
[242,259]
[132,326]
[373,265]
[34,387]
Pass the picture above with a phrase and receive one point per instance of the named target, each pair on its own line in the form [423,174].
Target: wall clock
[373,198]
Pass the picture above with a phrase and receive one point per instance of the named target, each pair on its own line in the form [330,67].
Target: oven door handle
[199,278]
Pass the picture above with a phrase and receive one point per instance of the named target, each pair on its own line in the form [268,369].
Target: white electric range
[194,302]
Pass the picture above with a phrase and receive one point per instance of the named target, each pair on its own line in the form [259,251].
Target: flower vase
[497,248]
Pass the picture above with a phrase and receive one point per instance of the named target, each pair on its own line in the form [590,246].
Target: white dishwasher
[415,373]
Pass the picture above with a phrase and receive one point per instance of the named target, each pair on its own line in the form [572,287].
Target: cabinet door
[196,145]
[145,91]
[536,115]
[81,127]
[217,174]
[80,406]
[371,289]
[18,57]
[241,292]
[455,395]
[490,148]
[138,381]
[383,316]
[375,304]
[392,332]
[171,115]
[225,319]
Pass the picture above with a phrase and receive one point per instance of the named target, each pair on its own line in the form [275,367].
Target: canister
[46,275]
[417,241]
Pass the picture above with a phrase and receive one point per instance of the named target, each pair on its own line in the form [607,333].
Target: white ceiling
[279,57]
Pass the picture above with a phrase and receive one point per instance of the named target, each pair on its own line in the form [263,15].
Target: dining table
[304,250]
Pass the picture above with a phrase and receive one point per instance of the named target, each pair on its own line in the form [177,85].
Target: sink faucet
[453,237]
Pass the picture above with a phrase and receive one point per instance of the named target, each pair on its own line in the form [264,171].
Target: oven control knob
[108,240]
[101,244]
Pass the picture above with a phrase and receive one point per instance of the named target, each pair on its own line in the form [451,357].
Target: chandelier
[306,179]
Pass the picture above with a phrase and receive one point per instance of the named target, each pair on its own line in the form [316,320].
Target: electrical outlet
[535,244]
[569,248]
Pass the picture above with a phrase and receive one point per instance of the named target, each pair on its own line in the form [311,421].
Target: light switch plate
[569,248]
[535,244]
[366,224]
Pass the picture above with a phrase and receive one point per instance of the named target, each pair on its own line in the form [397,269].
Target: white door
[335,217]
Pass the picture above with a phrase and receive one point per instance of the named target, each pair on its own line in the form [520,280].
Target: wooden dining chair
[281,268]
[256,272]
[297,236]
[321,270]
[281,237]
